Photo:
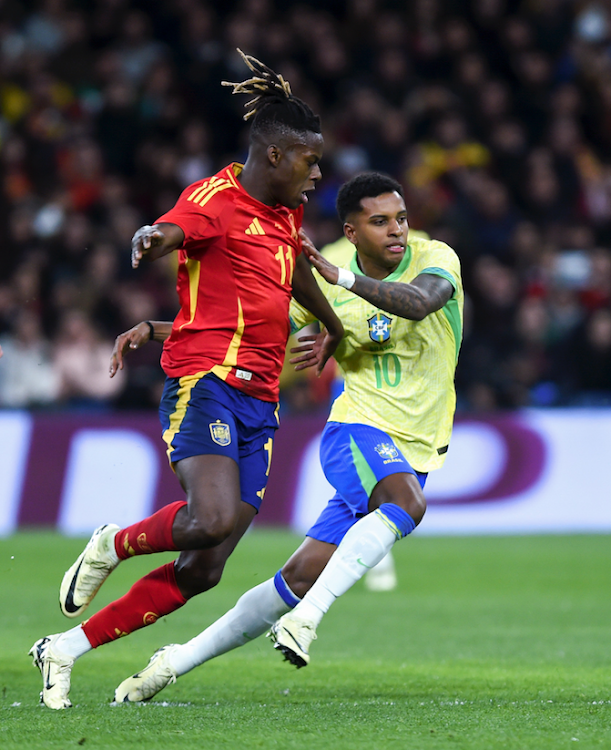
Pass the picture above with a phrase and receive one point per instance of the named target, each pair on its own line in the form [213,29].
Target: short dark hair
[274,108]
[364,185]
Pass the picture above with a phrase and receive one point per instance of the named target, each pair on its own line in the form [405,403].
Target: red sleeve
[200,224]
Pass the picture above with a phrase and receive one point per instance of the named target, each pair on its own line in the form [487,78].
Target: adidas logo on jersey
[255,227]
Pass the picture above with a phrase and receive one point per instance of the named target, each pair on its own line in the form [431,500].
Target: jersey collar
[396,274]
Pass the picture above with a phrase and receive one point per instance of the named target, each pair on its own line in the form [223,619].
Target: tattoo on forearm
[412,301]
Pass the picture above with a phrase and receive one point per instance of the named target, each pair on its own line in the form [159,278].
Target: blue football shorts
[201,415]
[354,458]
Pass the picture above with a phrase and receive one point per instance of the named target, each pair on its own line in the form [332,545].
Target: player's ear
[274,154]
[350,233]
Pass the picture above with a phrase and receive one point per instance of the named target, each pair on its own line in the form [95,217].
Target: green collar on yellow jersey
[396,274]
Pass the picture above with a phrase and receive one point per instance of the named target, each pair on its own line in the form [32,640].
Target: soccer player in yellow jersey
[383,576]
[401,307]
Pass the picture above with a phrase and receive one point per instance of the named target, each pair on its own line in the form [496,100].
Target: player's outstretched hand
[315,350]
[144,240]
[308,351]
[328,346]
[132,339]
[327,270]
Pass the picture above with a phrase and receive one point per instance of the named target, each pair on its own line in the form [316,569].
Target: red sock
[150,598]
[153,534]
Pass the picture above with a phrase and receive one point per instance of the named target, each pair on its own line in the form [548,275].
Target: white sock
[254,613]
[364,545]
[73,643]
[386,565]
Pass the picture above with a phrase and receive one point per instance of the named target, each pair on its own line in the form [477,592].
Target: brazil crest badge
[379,327]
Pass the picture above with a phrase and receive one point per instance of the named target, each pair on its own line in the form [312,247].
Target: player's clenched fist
[155,241]
[145,238]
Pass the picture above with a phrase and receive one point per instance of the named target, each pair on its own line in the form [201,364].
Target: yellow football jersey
[399,374]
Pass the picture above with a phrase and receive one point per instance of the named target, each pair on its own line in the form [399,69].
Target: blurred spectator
[449,154]
[80,362]
[137,50]
[529,363]
[27,377]
[494,220]
[509,146]
[534,72]
[44,29]
[595,292]
[588,366]
[195,162]
[117,127]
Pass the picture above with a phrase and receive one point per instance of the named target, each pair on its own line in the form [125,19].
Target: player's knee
[412,503]
[209,531]
[418,508]
[404,491]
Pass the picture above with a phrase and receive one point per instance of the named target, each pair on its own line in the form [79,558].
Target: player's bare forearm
[136,337]
[152,242]
[162,330]
[307,292]
[424,295]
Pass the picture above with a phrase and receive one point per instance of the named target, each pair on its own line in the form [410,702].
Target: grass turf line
[487,643]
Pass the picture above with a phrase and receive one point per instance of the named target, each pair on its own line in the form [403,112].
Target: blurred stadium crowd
[495,115]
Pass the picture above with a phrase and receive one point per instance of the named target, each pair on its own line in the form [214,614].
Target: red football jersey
[234,285]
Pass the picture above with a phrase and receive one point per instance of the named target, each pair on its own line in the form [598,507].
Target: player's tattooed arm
[414,301]
[152,242]
[148,330]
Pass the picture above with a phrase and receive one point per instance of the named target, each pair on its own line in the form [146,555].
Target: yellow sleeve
[299,317]
[441,260]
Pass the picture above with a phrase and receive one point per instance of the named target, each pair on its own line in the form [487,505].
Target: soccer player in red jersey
[237,237]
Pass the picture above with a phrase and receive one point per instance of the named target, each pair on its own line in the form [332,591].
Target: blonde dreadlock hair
[273,105]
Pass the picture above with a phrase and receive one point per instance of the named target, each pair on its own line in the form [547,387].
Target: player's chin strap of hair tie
[152,330]
[345,278]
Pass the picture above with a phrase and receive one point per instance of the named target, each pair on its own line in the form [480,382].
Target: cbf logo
[379,327]
[386,450]
[220,433]
[388,453]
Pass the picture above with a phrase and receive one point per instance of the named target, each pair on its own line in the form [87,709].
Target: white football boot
[292,636]
[143,685]
[92,567]
[55,669]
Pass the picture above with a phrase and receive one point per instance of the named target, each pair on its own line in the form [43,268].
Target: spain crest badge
[220,433]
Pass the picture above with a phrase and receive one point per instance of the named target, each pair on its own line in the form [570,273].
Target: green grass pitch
[487,643]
